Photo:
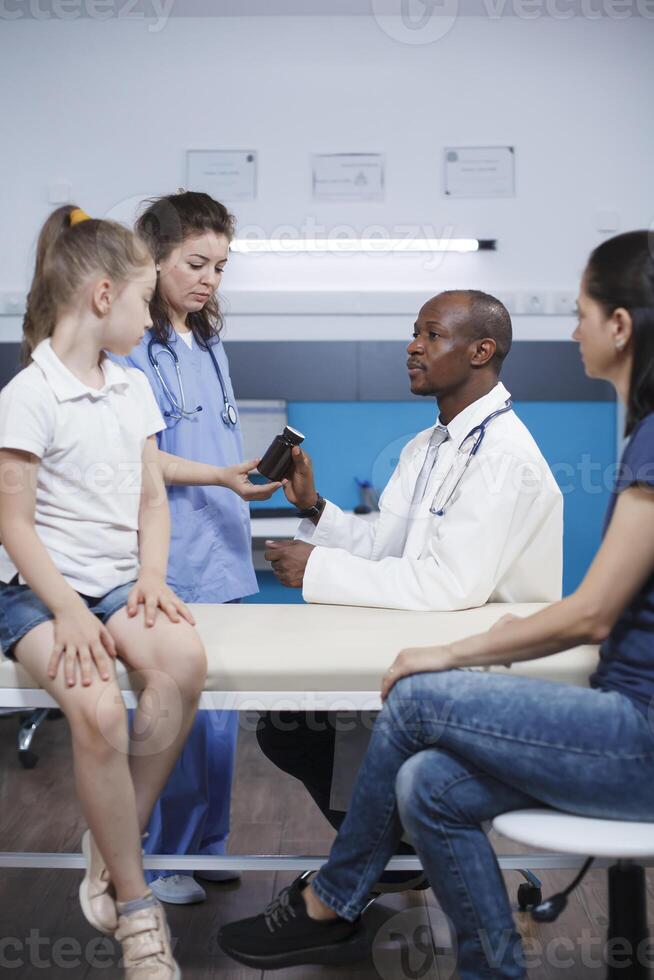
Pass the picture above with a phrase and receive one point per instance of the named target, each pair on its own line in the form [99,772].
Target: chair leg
[529,892]
[627,929]
[26,733]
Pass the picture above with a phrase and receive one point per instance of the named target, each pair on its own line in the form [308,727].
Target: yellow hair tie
[77,216]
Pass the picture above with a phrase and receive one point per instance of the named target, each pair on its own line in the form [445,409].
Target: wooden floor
[43,933]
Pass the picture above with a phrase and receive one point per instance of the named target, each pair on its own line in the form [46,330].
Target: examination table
[307,657]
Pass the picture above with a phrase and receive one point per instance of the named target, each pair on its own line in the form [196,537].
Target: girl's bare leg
[98,725]
[171,661]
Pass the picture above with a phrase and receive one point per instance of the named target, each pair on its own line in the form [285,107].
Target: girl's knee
[184,661]
[195,667]
[98,719]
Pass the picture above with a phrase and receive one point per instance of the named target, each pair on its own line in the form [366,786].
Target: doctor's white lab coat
[499,538]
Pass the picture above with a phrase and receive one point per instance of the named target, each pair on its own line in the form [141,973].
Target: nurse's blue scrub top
[210,548]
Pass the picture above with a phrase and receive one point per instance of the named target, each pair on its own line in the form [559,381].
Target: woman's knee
[412,785]
[426,789]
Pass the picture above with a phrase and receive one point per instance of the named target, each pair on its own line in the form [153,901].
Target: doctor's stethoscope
[180,411]
[462,461]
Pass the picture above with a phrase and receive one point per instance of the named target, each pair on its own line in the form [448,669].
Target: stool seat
[554,830]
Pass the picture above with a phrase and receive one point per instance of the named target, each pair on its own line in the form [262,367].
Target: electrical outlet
[12,304]
[564,303]
[533,303]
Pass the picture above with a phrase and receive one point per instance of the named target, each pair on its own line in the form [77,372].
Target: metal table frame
[255,701]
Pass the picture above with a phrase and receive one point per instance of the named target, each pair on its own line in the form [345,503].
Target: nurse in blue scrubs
[201,452]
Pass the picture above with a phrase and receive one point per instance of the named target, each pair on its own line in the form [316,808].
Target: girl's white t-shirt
[90,445]
[187,338]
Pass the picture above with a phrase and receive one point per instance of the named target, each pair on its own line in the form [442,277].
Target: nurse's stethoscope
[467,450]
[180,411]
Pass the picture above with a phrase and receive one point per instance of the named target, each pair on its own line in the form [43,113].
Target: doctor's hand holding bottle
[289,558]
[300,488]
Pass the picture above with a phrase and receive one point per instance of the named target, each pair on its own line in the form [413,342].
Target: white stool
[629,843]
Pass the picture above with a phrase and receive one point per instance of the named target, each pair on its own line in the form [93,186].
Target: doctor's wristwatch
[315,510]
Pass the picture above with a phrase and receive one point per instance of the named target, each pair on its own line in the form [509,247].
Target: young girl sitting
[85,528]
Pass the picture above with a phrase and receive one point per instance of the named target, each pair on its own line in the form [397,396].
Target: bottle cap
[293,436]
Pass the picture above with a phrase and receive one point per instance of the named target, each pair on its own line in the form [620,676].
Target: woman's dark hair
[620,274]
[164,224]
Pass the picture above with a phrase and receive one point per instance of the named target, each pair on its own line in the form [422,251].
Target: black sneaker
[400,881]
[284,935]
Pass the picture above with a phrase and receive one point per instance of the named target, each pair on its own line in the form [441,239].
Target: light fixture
[318,245]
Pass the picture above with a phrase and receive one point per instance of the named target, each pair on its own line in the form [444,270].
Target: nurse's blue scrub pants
[192,814]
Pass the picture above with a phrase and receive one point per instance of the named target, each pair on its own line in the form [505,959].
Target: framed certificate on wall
[479,171]
[228,175]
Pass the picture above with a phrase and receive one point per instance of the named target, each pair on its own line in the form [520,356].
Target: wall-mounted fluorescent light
[363,244]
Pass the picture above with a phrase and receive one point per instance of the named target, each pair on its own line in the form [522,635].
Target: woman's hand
[236,478]
[81,641]
[153,593]
[416,660]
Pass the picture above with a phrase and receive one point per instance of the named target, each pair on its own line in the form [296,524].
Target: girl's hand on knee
[415,660]
[152,592]
[84,645]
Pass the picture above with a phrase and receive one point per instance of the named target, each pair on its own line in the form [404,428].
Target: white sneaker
[217,849]
[145,940]
[178,889]
[96,894]
[223,875]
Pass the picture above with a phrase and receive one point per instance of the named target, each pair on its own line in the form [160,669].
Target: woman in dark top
[452,749]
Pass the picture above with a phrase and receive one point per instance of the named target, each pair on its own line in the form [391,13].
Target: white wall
[113,106]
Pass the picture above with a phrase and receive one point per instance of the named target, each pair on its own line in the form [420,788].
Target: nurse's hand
[503,621]
[236,478]
[152,592]
[416,660]
[300,488]
[289,560]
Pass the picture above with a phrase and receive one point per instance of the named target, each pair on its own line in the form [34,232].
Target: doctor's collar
[460,425]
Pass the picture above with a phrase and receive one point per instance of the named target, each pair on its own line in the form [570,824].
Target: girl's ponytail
[70,248]
[41,312]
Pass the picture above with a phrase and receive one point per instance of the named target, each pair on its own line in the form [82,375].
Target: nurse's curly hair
[620,275]
[165,223]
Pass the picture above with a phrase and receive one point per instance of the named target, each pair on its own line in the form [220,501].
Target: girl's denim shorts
[21,610]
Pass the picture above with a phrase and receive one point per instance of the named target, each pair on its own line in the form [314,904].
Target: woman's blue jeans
[451,750]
